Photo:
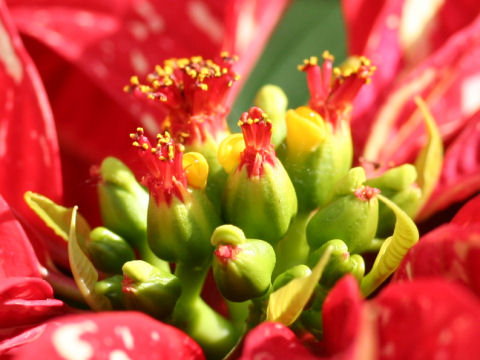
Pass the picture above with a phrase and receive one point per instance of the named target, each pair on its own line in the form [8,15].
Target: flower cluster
[267,247]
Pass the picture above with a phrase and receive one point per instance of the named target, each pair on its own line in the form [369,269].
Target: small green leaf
[84,273]
[286,304]
[55,216]
[405,235]
[430,160]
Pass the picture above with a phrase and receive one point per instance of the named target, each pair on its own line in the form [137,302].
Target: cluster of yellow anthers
[165,149]
[249,120]
[360,66]
[196,68]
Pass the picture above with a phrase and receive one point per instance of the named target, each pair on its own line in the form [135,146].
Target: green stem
[238,313]
[63,286]
[293,249]
[147,255]
[214,333]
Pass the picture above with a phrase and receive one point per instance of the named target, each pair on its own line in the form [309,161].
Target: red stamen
[366,193]
[166,177]
[332,99]
[225,253]
[257,134]
[193,92]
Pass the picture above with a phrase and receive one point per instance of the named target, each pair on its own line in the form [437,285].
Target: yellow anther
[229,152]
[204,87]
[306,129]
[328,56]
[139,130]
[311,61]
[224,54]
[196,59]
[145,146]
[134,80]
[136,144]
[196,169]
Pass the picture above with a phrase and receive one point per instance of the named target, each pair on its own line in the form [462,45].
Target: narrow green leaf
[430,159]
[286,304]
[55,216]
[405,235]
[84,273]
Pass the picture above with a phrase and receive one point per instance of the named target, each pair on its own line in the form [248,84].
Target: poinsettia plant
[297,215]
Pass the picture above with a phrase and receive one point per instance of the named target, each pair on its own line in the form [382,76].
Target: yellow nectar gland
[229,152]
[196,169]
[306,129]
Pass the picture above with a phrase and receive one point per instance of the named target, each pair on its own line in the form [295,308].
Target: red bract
[426,49]
[425,319]
[28,147]
[451,251]
[125,335]
[25,299]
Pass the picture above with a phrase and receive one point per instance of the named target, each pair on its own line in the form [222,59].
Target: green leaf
[84,273]
[55,216]
[405,235]
[430,159]
[286,304]
[308,28]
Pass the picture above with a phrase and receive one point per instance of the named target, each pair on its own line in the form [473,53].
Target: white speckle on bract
[263,356]
[118,355]
[393,21]
[138,30]
[139,62]
[68,343]
[470,95]
[246,27]
[417,22]
[99,69]
[85,19]
[4,127]
[155,336]
[201,16]
[149,123]
[388,350]
[8,57]
[409,271]
[126,336]
[154,21]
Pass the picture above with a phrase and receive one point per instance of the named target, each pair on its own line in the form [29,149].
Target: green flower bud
[339,264]
[258,196]
[352,218]
[397,184]
[180,231]
[274,102]
[180,217]
[316,156]
[149,289]
[398,178]
[297,271]
[112,289]
[242,269]
[123,201]
[108,251]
